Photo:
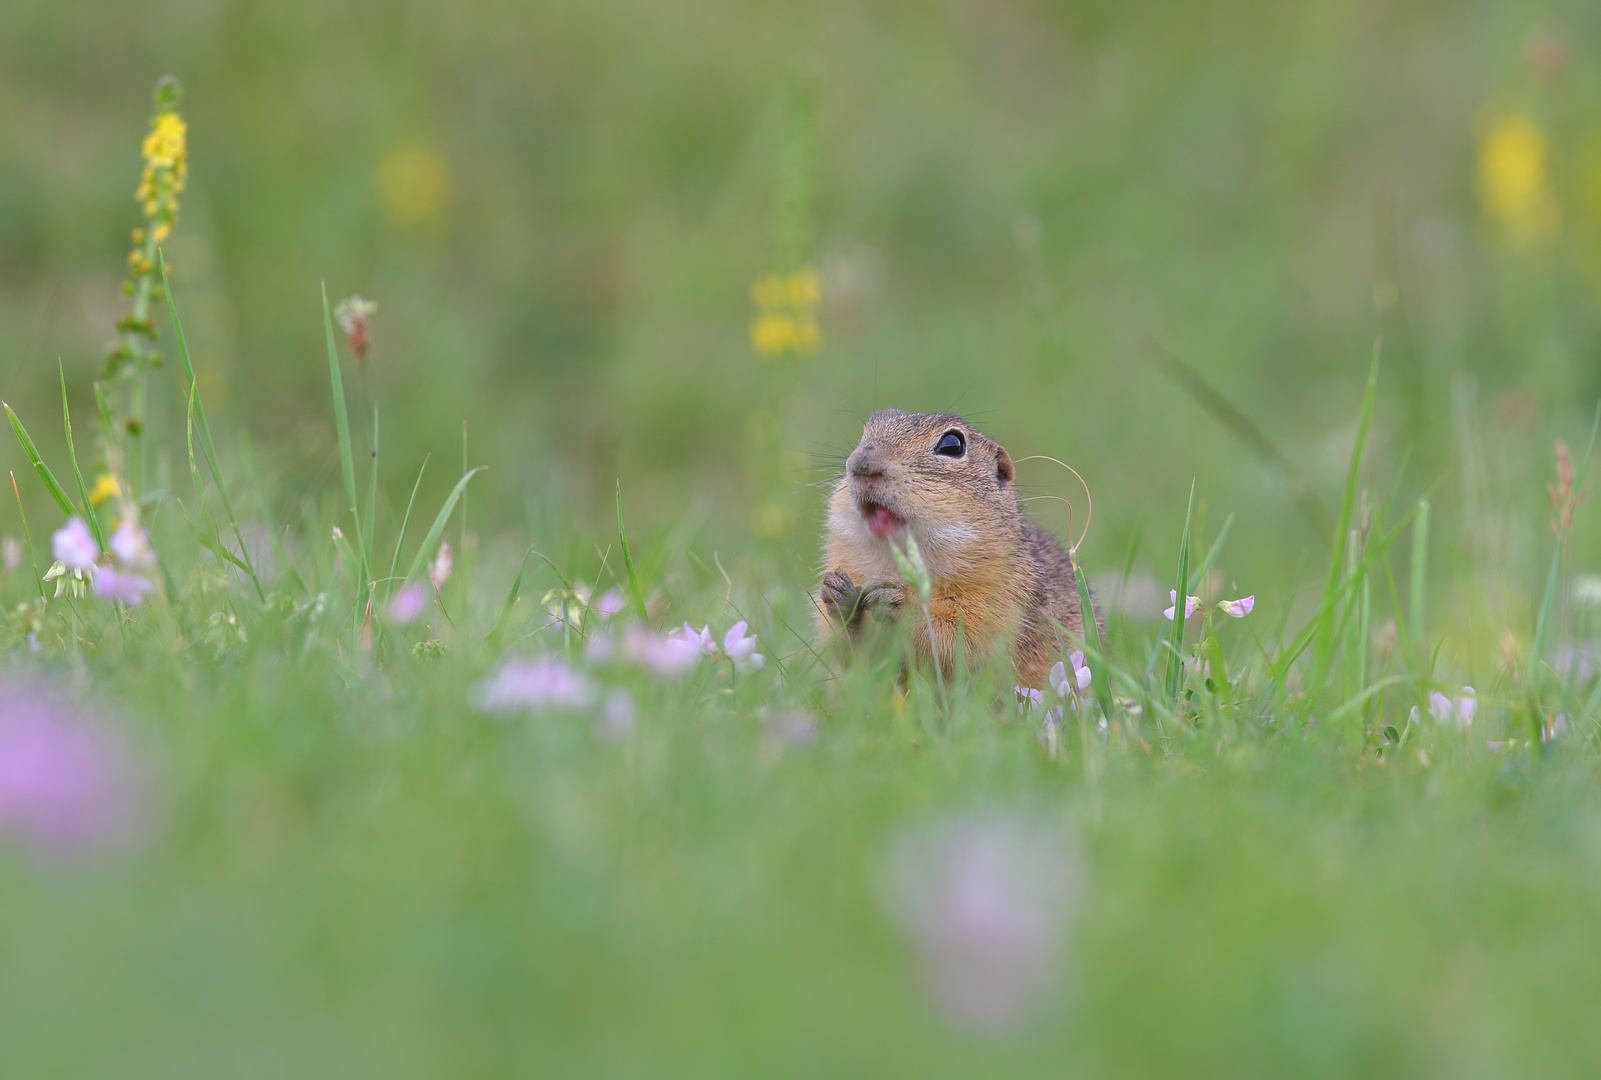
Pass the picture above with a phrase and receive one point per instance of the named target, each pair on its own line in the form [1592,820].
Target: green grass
[341,865]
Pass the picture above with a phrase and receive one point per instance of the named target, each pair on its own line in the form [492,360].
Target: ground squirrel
[997,577]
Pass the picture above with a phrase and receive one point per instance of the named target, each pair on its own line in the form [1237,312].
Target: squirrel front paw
[846,602]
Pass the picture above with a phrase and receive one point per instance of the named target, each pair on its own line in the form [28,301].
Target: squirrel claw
[841,598]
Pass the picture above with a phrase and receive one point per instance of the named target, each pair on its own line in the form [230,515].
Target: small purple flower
[408,603]
[1445,710]
[704,642]
[66,787]
[617,714]
[610,604]
[543,682]
[1238,609]
[124,588]
[10,553]
[982,898]
[599,648]
[1029,700]
[667,657]
[1190,604]
[741,649]
[1067,686]
[131,546]
[73,545]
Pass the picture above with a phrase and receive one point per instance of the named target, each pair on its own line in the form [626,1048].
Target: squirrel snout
[863,462]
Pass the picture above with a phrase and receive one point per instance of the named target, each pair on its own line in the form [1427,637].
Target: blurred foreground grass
[329,801]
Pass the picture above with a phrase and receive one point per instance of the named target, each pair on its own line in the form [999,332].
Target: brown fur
[998,579]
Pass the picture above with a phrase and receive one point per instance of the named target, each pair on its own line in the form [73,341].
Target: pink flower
[1444,710]
[983,898]
[65,784]
[408,603]
[1190,603]
[795,726]
[1239,609]
[1080,680]
[610,604]
[1028,699]
[124,588]
[543,682]
[742,649]
[74,546]
[704,642]
[131,546]
[667,657]
[10,553]
[617,715]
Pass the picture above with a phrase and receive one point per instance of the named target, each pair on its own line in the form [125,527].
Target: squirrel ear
[1004,469]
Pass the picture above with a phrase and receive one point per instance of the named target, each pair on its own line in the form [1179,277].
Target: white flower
[742,649]
[1240,608]
[439,569]
[1190,603]
[73,545]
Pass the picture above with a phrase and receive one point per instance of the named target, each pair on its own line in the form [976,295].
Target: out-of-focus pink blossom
[599,648]
[617,714]
[609,604]
[66,786]
[410,602]
[124,588]
[443,562]
[543,682]
[704,642]
[1190,603]
[131,546]
[10,553]
[668,657]
[1028,699]
[983,898]
[1459,711]
[795,726]
[1240,608]
[74,546]
[741,648]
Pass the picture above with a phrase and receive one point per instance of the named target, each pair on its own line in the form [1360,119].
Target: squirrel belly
[999,581]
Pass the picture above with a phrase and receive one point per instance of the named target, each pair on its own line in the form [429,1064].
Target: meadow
[422,420]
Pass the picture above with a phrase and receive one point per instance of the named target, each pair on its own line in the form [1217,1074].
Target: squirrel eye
[951,444]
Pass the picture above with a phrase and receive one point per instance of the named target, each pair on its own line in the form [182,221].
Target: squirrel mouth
[881,520]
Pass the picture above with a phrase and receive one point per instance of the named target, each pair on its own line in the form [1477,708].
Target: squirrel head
[951,486]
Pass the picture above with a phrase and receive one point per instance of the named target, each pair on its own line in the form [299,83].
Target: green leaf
[341,418]
[628,559]
[394,560]
[50,482]
[77,473]
[437,530]
[1175,658]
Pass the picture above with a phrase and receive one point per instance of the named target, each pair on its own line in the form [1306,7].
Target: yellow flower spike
[1515,184]
[106,487]
[805,288]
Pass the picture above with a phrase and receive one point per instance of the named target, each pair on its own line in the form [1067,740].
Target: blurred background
[690,245]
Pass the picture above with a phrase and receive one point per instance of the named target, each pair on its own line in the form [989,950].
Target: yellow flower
[167,143]
[413,181]
[106,487]
[773,335]
[1515,179]
[786,321]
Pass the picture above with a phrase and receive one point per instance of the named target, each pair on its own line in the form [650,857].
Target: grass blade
[394,561]
[77,473]
[347,463]
[1175,658]
[1417,587]
[204,428]
[27,537]
[1199,576]
[1325,617]
[628,559]
[1092,634]
[511,599]
[437,530]
[57,492]
[372,493]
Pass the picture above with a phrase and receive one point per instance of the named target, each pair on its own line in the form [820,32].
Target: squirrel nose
[862,463]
